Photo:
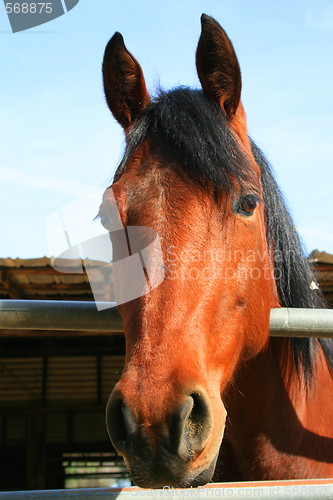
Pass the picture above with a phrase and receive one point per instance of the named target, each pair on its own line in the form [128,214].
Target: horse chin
[158,476]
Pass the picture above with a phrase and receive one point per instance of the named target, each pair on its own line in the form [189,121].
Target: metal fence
[53,315]
[318,489]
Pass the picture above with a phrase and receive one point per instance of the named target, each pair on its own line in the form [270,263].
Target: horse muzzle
[173,452]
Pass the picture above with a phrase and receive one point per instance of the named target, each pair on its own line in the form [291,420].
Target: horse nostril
[198,424]
[120,422]
[199,409]
[186,432]
[191,426]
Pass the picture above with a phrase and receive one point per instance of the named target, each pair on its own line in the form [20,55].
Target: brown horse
[205,393]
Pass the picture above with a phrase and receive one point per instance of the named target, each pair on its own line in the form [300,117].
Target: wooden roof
[36,278]
[323,264]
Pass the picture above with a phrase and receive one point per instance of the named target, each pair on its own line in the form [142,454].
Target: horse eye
[247,204]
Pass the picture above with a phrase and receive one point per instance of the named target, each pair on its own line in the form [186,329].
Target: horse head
[188,173]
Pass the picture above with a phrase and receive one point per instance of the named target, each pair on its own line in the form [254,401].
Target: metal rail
[319,489]
[301,322]
[53,315]
[50,315]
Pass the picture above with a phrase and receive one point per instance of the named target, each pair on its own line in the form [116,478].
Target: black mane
[190,130]
[294,274]
[183,126]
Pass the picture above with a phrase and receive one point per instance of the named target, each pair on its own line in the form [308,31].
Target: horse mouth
[156,474]
[179,451]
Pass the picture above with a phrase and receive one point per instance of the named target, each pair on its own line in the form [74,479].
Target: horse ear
[217,66]
[124,83]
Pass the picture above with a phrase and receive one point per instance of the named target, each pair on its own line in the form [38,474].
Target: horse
[206,394]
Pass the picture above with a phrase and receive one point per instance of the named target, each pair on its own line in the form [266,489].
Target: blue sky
[59,141]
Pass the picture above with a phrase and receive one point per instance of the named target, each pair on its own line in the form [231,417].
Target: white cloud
[17,176]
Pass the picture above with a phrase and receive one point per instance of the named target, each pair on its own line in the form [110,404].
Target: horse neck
[256,389]
[271,411]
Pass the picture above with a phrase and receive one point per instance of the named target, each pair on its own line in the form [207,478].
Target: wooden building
[53,390]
